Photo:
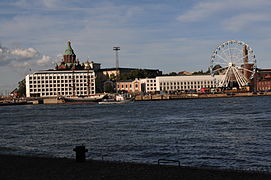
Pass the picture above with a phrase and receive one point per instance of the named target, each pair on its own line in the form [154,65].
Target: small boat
[84,99]
[105,101]
[119,99]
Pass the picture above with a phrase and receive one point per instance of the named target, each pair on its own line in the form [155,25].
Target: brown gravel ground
[37,168]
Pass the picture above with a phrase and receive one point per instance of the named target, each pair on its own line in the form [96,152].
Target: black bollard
[80,153]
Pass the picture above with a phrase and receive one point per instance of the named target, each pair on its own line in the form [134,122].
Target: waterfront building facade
[148,85]
[70,78]
[129,86]
[53,83]
[186,83]
[124,86]
[179,83]
[263,79]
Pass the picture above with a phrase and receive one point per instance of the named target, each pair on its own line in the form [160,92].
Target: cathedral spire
[69,50]
[69,56]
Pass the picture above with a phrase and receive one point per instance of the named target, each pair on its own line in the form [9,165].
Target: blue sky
[172,35]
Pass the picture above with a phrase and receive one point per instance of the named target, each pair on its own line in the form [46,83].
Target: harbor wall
[197,96]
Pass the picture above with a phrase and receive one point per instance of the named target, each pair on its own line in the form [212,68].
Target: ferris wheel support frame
[236,56]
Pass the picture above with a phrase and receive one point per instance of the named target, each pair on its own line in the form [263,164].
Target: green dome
[69,50]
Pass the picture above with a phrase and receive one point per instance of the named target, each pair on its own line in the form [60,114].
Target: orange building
[129,86]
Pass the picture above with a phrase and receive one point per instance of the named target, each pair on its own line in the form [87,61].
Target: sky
[172,35]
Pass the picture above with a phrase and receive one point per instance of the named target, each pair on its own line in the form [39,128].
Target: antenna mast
[116,49]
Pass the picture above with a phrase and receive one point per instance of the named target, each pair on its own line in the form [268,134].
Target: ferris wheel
[236,61]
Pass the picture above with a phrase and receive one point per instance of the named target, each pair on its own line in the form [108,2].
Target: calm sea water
[228,133]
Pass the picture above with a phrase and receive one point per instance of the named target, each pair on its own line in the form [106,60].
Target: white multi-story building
[60,83]
[148,85]
[182,83]
[179,83]
[69,79]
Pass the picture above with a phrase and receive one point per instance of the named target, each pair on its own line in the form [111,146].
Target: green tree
[137,73]
[112,77]
[108,87]
[99,82]
[201,73]
[173,74]
[22,88]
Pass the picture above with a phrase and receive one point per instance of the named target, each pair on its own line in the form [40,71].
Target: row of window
[151,84]
[151,81]
[61,77]
[187,83]
[184,87]
[264,82]
[164,88]
[60,85]
[65,93]
[59,89]
[58,81]
[264,88]
[126,86]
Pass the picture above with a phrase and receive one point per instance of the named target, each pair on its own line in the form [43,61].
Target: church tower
[69,56]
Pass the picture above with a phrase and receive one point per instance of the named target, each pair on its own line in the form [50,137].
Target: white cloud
[243,21]
[206,9]
[201,11]
[20,58]
[28,53]
[45,60]
[50,3]
[39,4]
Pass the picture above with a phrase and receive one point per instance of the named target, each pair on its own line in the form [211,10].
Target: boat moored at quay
[118,99]
[84,99]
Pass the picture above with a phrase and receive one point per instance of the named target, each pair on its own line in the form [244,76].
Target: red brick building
[263,79]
